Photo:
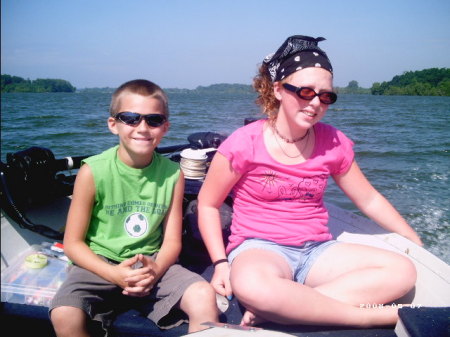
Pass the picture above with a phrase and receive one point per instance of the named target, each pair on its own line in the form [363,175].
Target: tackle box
[26,282]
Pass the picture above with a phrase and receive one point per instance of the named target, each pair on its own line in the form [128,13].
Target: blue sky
[184,44]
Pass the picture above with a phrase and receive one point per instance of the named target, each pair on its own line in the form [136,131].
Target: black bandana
[296,53]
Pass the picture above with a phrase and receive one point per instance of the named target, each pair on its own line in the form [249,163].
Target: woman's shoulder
[252,128]
[331,131]
[255,125]
[244,134]
[323,127]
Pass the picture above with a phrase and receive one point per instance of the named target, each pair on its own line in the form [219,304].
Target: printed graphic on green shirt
[136,224]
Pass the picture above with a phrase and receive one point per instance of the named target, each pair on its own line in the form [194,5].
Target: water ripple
[401,143]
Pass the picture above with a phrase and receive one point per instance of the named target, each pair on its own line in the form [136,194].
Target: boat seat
[132,323]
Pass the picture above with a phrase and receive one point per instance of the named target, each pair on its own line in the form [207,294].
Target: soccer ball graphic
[136,224]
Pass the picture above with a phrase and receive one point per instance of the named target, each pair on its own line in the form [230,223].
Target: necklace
[287,140]
[300,151]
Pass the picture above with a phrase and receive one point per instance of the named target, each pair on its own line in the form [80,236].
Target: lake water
[401,143]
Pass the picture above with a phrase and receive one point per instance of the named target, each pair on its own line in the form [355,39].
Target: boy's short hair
[140,87]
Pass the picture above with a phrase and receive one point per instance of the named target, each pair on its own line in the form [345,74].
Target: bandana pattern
[296,53]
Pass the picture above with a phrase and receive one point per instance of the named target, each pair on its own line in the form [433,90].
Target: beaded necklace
[287,140]
[300,150]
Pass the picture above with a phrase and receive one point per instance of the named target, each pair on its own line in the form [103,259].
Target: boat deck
[432,288]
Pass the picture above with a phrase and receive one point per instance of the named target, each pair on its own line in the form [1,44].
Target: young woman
[281,261]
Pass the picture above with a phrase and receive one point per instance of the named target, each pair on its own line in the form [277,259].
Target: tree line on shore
[18,84]
[427,82]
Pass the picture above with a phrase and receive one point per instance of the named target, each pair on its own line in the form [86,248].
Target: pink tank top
[277,202]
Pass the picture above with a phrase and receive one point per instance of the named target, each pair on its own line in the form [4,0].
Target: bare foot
[250,319]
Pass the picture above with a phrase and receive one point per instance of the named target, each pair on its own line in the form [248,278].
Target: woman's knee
[253,271]
[253,288]
[405,272]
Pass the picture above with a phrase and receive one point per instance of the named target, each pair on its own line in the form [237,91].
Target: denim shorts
[300,259]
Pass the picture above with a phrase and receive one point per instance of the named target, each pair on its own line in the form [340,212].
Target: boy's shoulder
[107,154]
[165,162]
[160,164]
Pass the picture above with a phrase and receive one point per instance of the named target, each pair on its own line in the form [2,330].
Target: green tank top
[130,205]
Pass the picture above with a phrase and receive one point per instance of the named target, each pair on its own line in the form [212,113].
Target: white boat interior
[432,289]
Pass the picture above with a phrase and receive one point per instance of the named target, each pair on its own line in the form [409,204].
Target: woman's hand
[221,280]
[414,237]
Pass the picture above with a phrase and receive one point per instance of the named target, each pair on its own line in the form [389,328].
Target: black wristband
[219,261]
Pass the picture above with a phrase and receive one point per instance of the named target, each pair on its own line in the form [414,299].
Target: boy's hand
[140,277]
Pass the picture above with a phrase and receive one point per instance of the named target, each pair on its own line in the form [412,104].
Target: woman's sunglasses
[326,97]
[134,118]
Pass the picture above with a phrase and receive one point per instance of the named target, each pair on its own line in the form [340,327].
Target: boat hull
[432,288]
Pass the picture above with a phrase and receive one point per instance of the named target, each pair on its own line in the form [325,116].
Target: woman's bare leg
[262,281]
[360,275]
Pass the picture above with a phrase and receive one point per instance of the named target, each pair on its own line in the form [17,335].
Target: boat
[35,196]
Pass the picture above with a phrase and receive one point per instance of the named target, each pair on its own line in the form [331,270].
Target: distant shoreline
[427,82]
[225,88]
[18,84]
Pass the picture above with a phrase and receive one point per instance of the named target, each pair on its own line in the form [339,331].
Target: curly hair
[263,85]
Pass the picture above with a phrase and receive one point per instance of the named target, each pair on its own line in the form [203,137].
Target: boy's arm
[172,228]
[78,220]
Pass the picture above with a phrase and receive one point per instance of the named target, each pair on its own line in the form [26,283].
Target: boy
[123,230]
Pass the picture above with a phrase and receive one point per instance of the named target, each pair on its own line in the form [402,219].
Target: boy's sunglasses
[134,118]
[326,97]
